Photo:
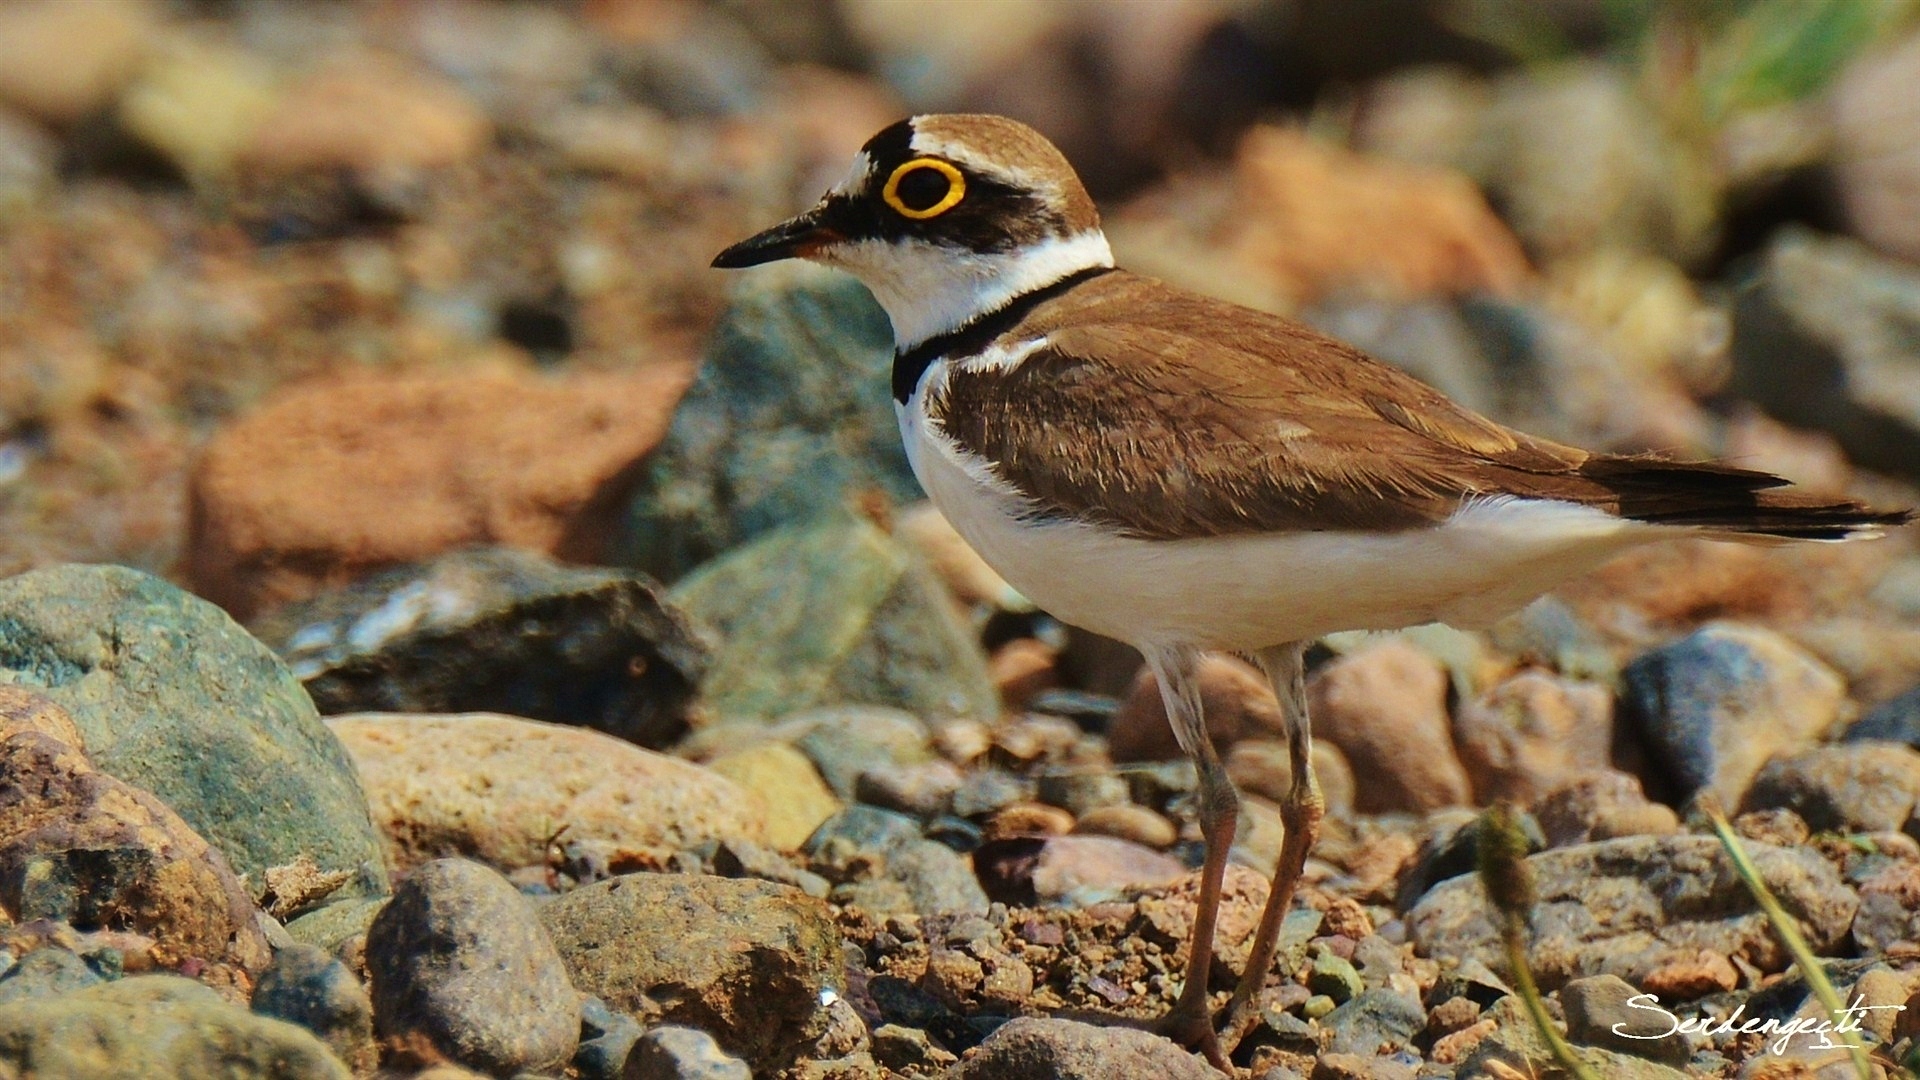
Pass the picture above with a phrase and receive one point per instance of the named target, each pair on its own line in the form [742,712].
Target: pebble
[1030,819]
[1129,822]
[797,800]
[495,787]
[333,927]
[923,876]
[306,986]
[682,1053]
[1874,159]
[45,973]
[1386,705]
[458,958]
[1335,978]
[62,62]
[1855,787]
[1598,1014]
[862,829]
[987,791]
[1079,790]
[1030,1048]
[1602,805]
[1263,767]
[1889,907]
[1531,734]
[369,111]
[1375,1022]
[1356,1067]
[1711,708]
[924,790]
[1894,720]
[845,741]
[1235,697]
[902,1048]
[1075,870]
[748,961]
[606,1039]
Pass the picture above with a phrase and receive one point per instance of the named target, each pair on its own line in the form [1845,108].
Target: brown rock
[1689,581]
[1129,822]
[1449,1049]
[1876,153]
[79,846]
[1386,705]
[1031,819]
[1689,977]
[1035,1049]
[1533,733]
[367,111]
[1022,668]
[22,710]
[1234,695]
[797,799]
[61,61]
[1262,767]
[497,788]
[339,478]
[1601,806]
[1169,913]
[959,566]
[1099,864]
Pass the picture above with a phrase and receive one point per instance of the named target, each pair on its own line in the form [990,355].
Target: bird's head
[945,218]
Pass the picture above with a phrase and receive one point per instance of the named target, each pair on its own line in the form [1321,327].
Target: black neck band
[908,366]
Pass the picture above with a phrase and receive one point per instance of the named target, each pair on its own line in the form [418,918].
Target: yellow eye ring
[956,188]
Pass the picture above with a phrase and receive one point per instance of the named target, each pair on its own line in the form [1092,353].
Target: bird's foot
[1192,1027]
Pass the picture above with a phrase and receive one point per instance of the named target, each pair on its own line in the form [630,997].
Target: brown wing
[1167,414]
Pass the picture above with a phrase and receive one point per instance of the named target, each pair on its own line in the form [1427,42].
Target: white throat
[929,290]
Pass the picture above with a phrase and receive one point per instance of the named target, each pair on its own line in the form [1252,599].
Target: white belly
[1252,591]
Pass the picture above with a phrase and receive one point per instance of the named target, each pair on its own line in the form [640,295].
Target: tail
[1730,503]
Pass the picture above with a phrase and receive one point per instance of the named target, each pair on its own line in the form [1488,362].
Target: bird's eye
[924,188]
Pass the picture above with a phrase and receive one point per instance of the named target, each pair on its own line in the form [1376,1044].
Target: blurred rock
[1859,787]
[745,961]
[197,100]
[789,419]
[457,958]
[46,973]
[332,927]
[844,742]
[924,789]
[174,698]
[1078,790]
[1713,707]
[1263,767]
[682,1053]
[796,799]
[1386,705]
[1135,823]
[901,1048]
[606,1039]
[1514,1041]
[498,630]
[302,494]
[61,62]
[1889,908]
[306,986]
[28,157]
[1033,1048]
[1602,805]
[1678,585]
[1234,696]
[156,1027]
[1876,147]
[495,788]
[1894,720]
[961,568]
[861,829]
[1820,341]
[1632,906]
[84,848]
[1452,849]
[1075,870]
[1532,734]
[367,110]
[833,613]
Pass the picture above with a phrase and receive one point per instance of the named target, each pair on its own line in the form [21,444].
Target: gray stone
[682,1053]
[458,957]
[498,630]
[844,742]
[924,790]
[1550,632]
[334,925]
[834,613]
[925,876]
[308,987]
[1598,1014]
[861,829]
[983,792]
[744,960]
[1630,906]
[1858,787]
[45,973]
[1030,1048]
[606,1038]
[1714,706]
[1081,790]
[156,1027]
[1823,338]
[174,697]
[1375,1022]
[1894,720]
[789,418]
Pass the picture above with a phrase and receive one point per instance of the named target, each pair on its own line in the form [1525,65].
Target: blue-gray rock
[45,973]
[308,987]
[1856,787]
[682,1053]
[844,742]
[156,1027]
[862,828]
[498,630]
[459,958]
[1894,720]
[174,697]
[834,613]
[1713,707]
[747,961]
[986,791]
[1375,1022]
[1822,338]
[921,876]
[789,419]
[1030,1048]
[606,1038]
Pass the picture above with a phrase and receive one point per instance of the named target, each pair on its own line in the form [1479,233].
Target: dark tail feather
[1733,502]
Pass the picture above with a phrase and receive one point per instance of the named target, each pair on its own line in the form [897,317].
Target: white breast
[1251,591]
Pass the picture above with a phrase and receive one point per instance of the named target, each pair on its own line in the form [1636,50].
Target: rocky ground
[452,632]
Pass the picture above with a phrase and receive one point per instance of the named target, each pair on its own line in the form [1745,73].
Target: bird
[1188,475]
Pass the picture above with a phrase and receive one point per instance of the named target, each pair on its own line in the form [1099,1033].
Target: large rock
[302,494]
[1858,787]
[81,847]
[458,958]
[175,698]
[746,961]
[1033,1048]
[1821,339]
[1532,734]
[1876,147]
[834,613]
[1632,906]
[1234,695]
[306,986]
[495,788]
[498,630]
[790,418]
[156,1027]
[1385,706]
[1713,707]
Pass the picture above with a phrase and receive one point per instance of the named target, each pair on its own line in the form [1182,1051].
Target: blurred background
[291,291]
